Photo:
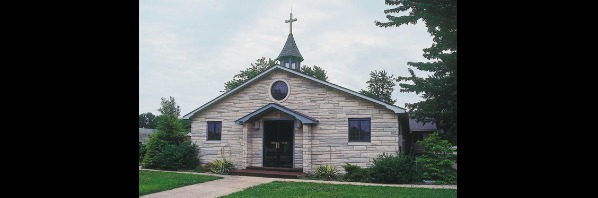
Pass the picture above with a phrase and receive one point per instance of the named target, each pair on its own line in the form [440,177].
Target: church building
[286,119]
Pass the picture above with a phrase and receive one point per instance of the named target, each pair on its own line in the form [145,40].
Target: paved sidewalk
[233,183]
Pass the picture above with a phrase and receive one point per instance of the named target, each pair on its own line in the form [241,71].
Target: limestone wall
[329,106]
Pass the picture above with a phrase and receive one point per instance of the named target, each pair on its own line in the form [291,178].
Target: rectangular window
[214,130]
[286,65]
[293,66]
[359,130]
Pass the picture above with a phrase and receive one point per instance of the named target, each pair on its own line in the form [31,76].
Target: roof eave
[192,113]
[268,107]
[393,108]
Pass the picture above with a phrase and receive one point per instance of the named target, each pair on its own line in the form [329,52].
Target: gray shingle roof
[290,48]
[144,134]
[418,126]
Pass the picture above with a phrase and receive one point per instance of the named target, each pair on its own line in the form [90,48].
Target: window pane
[365,126]
[218,130]
[210,127]
[359,130]
[214,130]
[279,90]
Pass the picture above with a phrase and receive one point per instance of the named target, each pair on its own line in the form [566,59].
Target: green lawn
[154,181]
[305,189]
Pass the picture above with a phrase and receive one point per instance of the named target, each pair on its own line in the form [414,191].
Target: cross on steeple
[290,21]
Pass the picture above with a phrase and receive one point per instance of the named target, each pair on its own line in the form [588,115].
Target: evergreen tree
[169,131]
[439,90]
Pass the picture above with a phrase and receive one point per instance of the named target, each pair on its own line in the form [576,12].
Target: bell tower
[290,57]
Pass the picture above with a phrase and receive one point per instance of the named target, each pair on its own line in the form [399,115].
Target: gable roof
[273,106]
[290,49]
[278,67]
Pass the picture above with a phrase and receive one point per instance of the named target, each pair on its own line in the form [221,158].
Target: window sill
[213,142]
[359,143]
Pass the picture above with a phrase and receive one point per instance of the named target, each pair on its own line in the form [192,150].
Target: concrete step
[267,173]
[300,170]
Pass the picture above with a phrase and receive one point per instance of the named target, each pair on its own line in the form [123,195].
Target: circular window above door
[279,90]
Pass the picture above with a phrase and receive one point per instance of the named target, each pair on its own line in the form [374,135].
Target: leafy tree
[380,87]
[169,108]
[148,120]
[256,68]
[316,72]
[439,90]
[262,65]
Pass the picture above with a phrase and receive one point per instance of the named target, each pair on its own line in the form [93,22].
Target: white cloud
[189,49]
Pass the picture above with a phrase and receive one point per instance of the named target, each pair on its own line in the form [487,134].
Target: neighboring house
[284,118]
[418,132]
[144,134]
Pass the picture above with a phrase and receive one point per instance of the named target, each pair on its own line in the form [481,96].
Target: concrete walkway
[234,183]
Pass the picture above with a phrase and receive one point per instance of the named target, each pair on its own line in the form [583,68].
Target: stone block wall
[329,138]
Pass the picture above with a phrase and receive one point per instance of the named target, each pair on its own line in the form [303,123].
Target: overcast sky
[188,49]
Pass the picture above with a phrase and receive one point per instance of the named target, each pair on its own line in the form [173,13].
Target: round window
[279,90]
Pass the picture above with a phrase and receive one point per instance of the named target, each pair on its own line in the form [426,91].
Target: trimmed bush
[437,160]
[394,169]
[326,172]
[356,173]
[223,166]
[177,157]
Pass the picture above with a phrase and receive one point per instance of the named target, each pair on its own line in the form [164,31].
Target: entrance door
[278,143]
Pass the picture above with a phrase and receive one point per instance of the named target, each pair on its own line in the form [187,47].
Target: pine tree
[439,90]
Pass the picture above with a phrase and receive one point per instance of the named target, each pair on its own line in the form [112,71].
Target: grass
[154,181]
[306,189]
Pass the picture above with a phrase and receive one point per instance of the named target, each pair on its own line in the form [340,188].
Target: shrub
[199,169]
[326,172]
[398,169]
[142,149]
[177,157]
[437,160]
[222,166]
[356,173]
[154,147]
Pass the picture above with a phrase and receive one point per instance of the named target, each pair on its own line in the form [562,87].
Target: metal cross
[290,21]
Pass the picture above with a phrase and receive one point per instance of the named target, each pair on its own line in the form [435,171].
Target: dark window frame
[277,94]
[216,133]
[360,136]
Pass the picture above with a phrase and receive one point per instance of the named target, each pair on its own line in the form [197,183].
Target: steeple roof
[290,49]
